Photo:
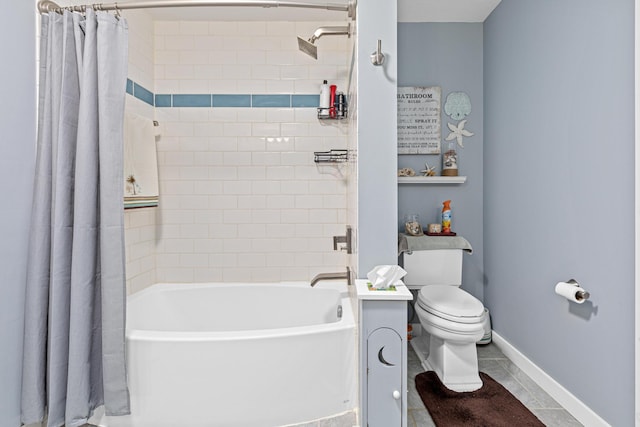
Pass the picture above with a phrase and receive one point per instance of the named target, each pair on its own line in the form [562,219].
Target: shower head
[308,46]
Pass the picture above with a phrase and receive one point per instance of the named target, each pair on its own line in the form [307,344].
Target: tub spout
[332,276]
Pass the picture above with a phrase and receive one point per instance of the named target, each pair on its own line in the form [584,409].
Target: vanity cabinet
[382,317]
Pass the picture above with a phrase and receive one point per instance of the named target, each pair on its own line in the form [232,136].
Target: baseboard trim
[571,403]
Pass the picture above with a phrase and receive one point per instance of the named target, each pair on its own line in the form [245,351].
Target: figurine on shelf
[406,172]
[428,170]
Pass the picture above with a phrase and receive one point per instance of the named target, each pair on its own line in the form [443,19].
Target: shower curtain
[74,358]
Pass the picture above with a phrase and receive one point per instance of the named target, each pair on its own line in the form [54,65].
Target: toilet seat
[451,303]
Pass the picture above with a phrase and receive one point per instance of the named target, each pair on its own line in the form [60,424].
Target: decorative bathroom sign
[419,129]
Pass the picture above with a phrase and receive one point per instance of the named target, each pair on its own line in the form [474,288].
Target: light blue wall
[376,122]
[559,191]
[449,56]
[17,127]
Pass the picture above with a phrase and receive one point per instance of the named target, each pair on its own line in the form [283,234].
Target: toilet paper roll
[572,292]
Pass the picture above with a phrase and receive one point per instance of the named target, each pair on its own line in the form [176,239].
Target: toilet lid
[451,302]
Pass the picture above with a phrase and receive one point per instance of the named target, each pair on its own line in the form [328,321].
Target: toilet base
[455,363]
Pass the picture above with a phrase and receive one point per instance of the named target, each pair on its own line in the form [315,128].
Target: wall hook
[377,57]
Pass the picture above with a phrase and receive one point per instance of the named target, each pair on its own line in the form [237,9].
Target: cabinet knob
[396,394]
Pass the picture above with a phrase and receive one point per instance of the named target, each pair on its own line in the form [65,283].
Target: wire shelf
[331,156]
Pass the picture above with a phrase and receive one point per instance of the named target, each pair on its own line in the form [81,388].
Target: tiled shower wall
[241,198]
[140,224]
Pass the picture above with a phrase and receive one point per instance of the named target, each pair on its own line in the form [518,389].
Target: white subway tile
[264,72]
[281,115]
[194,172]
[265,187]
[221,28]
[298,72]
[294,187]
[251,144]
[280,202]
[267,216]
[206,44]
[194,260]
[252,260]
[223,231]
[236,129]
[223,201]
[209,158]
[167,57]
[179,43]
[171,28]
[281,231]
[194,86]
[237,187]
[265,158]
[223,260]
[193,28]
[266,245]
[251,57]
[241,246]
[280,172]
[294,216]
[280,28]
[252,202]
[252,231]
[207,72]
[237,158]
[207,246]
[225,143]
[236,72]
[208,216]
[194,143]
[208,129]
[223,172]
[175,275]
[207,275]
[253,86]
[237,216]
[194,231]
[236,275]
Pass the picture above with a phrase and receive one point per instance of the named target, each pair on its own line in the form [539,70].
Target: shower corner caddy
[432,179]
[331,156]
[337,115]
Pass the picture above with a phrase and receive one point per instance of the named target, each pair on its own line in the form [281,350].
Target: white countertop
[401,292]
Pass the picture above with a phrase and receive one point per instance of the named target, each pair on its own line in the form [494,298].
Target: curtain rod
[46,6]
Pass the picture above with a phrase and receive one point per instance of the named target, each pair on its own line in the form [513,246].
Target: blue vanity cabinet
[382,317]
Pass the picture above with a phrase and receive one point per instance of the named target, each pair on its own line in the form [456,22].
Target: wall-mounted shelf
[432,179]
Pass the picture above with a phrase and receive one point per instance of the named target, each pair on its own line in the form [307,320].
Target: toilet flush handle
[396,394]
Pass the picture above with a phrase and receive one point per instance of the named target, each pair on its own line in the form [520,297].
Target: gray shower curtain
[74,354]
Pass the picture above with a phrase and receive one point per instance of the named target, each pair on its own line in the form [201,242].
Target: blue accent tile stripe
[193,100]
[142,93]
[222,100]
[260,101]
[163,100]
[232,100]
[299,101]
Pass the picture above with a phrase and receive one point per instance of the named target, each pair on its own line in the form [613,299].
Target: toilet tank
[433,267]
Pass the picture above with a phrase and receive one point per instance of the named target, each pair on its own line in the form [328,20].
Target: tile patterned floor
[493,362]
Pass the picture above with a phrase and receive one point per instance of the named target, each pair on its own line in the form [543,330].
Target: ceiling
[408,11]
[445,10]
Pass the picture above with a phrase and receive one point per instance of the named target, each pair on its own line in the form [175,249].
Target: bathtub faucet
[332,276]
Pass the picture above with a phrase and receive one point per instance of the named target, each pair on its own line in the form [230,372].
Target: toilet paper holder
[581,294]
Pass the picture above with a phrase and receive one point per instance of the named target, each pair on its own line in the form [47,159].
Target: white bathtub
[239,355]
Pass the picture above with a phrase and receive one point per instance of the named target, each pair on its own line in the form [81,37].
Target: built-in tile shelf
[432,179]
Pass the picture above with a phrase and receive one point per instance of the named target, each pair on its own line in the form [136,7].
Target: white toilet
[453,318]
